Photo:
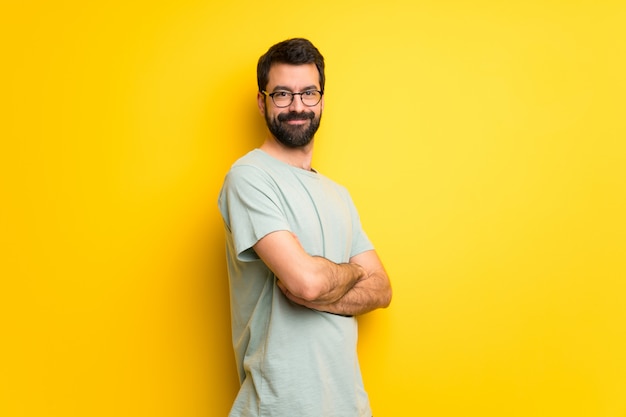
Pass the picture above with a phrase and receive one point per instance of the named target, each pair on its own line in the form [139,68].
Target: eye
[281,94]
[310,93]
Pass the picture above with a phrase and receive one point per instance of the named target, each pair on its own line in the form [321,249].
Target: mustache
[286,117]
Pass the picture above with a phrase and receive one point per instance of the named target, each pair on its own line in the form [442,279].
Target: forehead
[293,77]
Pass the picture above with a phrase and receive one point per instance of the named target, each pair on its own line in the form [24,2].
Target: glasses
[309,98]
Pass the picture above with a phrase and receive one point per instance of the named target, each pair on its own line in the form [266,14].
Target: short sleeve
[250,206]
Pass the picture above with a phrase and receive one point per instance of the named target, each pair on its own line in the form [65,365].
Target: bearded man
[300,265]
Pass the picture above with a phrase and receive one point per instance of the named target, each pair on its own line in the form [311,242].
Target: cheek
[271,115]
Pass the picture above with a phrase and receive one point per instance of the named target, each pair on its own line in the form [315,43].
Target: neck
[298,157]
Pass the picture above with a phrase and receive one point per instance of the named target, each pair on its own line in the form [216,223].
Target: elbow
[386,299]
[311,282]
[306,288]
[309,291]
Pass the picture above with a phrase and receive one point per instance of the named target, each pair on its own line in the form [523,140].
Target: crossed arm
[352,288]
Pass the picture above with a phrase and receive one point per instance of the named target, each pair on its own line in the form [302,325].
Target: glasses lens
[311,97]
[282,98]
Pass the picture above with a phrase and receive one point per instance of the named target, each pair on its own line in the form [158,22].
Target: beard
[293,136]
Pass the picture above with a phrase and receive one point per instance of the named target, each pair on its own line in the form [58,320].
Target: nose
[296,104]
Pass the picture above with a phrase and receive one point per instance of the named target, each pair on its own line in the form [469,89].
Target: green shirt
[292,361]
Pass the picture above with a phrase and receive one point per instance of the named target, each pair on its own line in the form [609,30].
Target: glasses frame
[292,97]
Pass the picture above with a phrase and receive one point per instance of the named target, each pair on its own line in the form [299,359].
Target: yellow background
[482,141]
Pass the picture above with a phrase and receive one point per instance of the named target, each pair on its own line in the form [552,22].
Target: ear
[322,104]
[260,98]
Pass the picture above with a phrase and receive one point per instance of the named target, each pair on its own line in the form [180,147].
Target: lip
[297,122]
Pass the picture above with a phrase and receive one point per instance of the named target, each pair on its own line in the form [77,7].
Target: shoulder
[252,174]
[246,169]
[256,163]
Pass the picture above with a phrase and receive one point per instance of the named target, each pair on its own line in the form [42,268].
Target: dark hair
[297,51]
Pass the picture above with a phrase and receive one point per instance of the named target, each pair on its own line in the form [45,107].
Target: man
[300,266]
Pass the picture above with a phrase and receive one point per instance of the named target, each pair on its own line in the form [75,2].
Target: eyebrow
[284,88]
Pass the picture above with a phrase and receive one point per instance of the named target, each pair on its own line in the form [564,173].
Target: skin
[352,288]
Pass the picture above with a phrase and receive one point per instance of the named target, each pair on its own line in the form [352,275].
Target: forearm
[355,287]
[366,295]
[330,281]
[309,278]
